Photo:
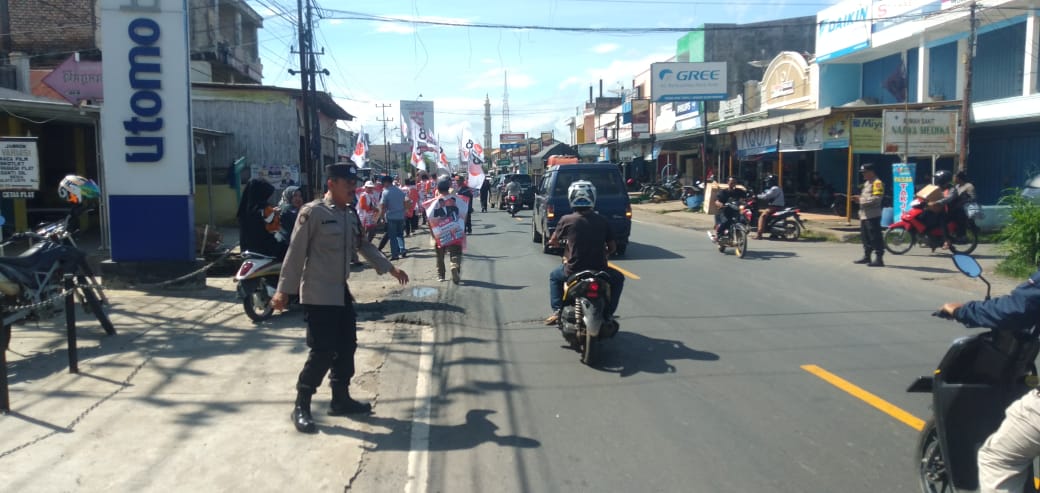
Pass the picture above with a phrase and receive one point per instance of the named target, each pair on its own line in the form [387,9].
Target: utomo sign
[146,129]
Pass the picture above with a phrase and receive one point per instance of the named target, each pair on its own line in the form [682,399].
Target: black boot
[342,404]
[301,415]
[877,262]
[864,260]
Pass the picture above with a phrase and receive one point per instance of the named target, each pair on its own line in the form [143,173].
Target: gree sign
[146,118]
[676,81]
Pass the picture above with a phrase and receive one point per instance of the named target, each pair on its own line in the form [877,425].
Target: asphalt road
[718,381]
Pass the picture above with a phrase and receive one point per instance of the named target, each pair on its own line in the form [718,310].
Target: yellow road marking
[623,271]
[879,403]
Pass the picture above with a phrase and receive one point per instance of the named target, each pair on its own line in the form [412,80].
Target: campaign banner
[447,218]
[903,187]
[471,156]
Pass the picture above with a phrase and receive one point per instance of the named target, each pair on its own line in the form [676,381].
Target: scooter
[901,236]
[977,379]
[513,205]
[257,280]
[583,321]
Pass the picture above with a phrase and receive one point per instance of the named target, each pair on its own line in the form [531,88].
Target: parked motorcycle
[977,379]
[693,195]
[257,280]
[63,231]
[513,205]
[30,282]
[901,236]
[736,235]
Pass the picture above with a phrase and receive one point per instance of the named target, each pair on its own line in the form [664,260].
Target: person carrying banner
[447,217]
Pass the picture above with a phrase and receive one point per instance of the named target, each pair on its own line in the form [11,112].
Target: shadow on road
[934,270]
[490,285]
[630,353]
[642,251]
[476,430]
[753,254]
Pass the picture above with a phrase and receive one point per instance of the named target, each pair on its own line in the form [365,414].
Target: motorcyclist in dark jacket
[725,217]
[1005,457]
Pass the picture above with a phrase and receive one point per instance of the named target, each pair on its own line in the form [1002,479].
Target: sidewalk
[189,396]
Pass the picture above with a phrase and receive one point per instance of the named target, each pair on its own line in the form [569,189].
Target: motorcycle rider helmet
[77,189]
[942,178]
[581,193]
[770,181]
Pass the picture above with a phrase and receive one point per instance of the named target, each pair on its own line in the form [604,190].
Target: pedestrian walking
[447,217]
[327,232]
[869,199]
[391,209]
[485,190]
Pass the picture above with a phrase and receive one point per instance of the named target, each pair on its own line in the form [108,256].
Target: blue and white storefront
[912,53]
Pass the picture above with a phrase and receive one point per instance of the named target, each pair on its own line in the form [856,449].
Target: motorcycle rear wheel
[931,468]
[792,230]
[968,246]
[257,303]
[95,306]
[899,240]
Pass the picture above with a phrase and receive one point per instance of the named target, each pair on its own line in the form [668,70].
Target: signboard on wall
[920,133]
[640,118]
[889,13]
[836,132]
[677,81]
[511,141]
[866,135]
[756,141]
[19,165]
[802,136]
[842,29]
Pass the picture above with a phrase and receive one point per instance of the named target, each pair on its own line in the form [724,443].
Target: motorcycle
[901,236]
[62,231]
[736,235]
[257,280]
[513,205]
[692,195]
[785,224]
[30,284]
[583,320]
[977,379]
[671,189]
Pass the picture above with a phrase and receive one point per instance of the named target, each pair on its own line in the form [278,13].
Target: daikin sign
[146,129]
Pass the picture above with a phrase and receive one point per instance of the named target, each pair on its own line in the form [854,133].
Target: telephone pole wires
[310,147]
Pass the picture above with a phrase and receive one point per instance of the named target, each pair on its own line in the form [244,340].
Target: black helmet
[942,178]
[867,167]
[770,181]
[962,175]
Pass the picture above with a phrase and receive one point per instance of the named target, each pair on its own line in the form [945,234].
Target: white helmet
[581,193]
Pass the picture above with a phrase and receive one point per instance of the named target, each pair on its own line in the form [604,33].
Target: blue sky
[456,66]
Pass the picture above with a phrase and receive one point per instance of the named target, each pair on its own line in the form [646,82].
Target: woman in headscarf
[255,217]
[288,209]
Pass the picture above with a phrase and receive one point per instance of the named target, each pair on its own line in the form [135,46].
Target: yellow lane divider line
[879,403]
[623,271]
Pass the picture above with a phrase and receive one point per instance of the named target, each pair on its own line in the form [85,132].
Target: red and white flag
[360,154]
[472,154]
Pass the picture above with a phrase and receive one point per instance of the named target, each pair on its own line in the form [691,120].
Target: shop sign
[760,140]
[681,81]
[920,133]
[866,135]
[836,132]
[903,187]
[802,136]
[19,164]
[731,108]
[889,13]
[842,29]
[640,117]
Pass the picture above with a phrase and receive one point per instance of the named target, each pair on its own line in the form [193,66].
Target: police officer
[317,265]
[869,199]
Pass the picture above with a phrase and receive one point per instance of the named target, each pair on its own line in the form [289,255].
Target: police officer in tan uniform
[317,265]
[870,198]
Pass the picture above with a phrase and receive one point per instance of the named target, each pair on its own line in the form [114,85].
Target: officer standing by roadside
[869,199]
[327,233]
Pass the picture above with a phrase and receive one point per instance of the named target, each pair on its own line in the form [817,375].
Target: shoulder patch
[879,187]
[304,215]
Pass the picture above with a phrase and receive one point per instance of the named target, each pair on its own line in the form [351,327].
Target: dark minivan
[498,189]
[550,200]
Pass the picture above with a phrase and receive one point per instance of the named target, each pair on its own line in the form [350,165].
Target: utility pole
[311,148]
[966,100]
[386,144]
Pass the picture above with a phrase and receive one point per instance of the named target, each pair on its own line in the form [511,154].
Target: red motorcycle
[514,205]
[901,236]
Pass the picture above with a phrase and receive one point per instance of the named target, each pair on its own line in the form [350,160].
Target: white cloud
[495,78]
[605,48]
[569,81]
[624,71]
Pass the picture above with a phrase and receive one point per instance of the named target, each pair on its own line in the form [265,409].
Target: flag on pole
[472,154]
[360,154]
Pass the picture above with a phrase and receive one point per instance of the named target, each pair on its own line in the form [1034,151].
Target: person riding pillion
[589,242]
[774,198]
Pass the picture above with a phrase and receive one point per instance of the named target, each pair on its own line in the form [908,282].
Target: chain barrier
[178,279]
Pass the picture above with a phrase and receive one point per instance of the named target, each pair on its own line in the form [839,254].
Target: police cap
[867,167]
[341,170]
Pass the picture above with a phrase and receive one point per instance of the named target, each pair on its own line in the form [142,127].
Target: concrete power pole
[966,100]
[487,127]
[386,144]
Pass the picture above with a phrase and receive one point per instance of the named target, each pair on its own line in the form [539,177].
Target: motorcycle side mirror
[971,268]
[967,265]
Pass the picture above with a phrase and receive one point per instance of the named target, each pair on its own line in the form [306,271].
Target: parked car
[499,185]
[550,200]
